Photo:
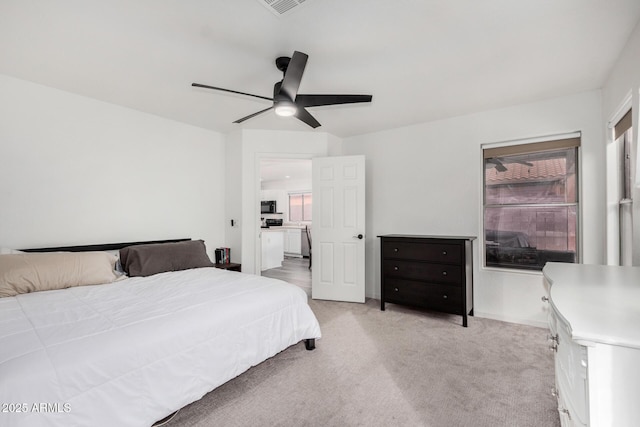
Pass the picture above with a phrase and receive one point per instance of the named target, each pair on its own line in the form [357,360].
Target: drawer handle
[444,252]
[444,273]
[554,392]
[545,299]
[565,411]
[445,296]
[395,249]
[553,347]
[553,338]
[395,289]
[395,267]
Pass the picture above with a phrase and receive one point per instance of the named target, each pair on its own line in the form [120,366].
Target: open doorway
[285,220]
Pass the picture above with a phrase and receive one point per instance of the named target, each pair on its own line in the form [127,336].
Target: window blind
[535,147]
[623,125]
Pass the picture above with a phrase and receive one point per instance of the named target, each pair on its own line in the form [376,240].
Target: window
[531,204]
[300,207]
[623,133]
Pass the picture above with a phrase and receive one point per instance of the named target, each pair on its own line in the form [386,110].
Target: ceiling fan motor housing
[282,63]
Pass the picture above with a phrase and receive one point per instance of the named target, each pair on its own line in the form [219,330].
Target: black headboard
[101,247]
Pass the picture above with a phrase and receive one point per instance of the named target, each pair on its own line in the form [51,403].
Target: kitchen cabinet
[595,339]
[293,244]
[272,248]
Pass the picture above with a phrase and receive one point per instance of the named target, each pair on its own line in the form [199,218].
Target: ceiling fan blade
[252,115]
[306,117]
[318,100]
[293,75]
[229,90]
[497,164]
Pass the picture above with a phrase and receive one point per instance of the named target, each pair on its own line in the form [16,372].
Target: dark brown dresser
[432,272]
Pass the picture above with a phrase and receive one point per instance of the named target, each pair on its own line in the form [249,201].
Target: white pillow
[26,272]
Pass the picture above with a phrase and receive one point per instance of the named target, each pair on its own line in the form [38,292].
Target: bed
[131,352]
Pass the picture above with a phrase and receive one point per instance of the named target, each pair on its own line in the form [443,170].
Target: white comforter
[131,352]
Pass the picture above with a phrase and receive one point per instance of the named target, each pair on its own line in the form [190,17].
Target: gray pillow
[145,260]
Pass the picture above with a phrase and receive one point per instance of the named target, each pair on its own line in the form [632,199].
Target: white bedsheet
[131,352]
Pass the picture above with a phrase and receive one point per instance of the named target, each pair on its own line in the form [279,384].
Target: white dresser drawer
[567,413]
[571,373]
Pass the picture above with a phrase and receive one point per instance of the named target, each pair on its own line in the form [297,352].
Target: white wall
[256,145]
[427,179]
[233,195]
[288,185]
[623,82]
[74,170]
[624,78]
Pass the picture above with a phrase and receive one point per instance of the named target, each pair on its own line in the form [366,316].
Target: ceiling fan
[498,163]
[286,99]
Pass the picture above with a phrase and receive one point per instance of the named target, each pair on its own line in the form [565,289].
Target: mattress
[131,352]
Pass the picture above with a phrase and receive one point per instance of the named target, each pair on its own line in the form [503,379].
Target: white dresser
[594,319]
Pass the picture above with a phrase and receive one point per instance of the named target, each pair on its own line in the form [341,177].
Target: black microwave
[268,206]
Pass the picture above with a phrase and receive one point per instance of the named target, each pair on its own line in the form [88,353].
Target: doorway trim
[256,230]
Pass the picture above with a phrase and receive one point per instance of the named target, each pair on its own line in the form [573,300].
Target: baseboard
[508,319]
[289,255]
[528,322]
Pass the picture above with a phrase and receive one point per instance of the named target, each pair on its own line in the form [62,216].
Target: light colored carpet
[400,367]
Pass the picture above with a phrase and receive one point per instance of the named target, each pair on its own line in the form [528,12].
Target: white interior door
[338,228]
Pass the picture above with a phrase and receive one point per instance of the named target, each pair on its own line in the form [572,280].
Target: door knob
[359,236]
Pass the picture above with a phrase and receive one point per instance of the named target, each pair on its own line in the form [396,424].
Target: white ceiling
[420,59]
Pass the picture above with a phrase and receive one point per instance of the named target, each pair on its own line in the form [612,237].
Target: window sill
[511,270]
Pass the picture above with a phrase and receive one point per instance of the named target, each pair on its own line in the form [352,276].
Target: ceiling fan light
[286,109]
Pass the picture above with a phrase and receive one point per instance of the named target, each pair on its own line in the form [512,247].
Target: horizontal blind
[623,125]
[535,147]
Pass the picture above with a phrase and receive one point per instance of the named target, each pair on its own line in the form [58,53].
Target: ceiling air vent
[281,7]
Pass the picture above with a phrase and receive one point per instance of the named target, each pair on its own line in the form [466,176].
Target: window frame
[527,146]
[303,194]
[627,168]
[625,205]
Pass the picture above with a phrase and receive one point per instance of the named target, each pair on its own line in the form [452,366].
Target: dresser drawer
[433,252]
[571,371]
[440,297]
[440,273]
